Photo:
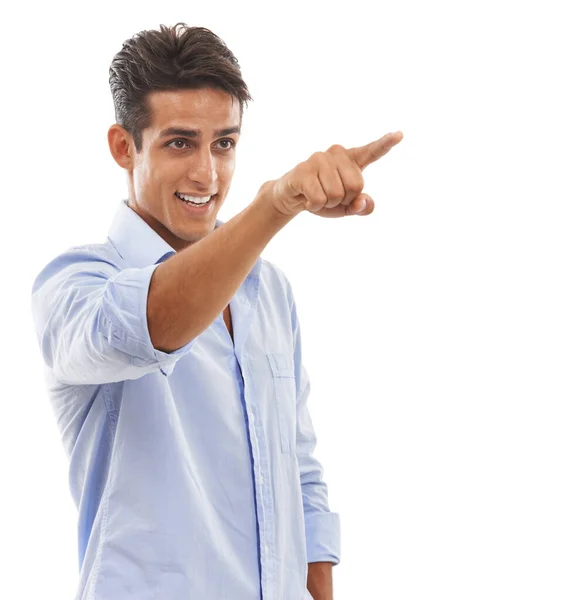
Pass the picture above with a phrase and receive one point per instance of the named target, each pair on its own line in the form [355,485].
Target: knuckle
[316,198]
[315,190]
[336,148]
[356,184]
[353,191]
[353,181]
[338,193]
[304,170]
[316,156]
[302,167]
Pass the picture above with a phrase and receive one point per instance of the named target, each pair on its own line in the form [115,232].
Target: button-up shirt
[192,471]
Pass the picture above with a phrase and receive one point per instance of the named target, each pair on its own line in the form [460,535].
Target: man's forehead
[189,101]
[193,109]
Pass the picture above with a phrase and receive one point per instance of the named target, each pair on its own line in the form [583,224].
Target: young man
[173,351]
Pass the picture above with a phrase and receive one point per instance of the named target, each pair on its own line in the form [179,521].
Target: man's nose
[203,170]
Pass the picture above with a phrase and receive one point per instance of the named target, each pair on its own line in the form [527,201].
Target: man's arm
[192,288]
[320,580]
[322,527]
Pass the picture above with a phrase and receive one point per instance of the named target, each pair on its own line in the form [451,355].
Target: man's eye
[178,142]
[231,142]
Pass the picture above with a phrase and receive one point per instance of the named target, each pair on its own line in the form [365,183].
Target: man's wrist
[265,198]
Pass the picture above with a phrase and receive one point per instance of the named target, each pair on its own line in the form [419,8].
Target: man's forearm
[320,580]
[193,287]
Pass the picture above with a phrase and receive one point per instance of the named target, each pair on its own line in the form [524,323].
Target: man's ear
[121,146]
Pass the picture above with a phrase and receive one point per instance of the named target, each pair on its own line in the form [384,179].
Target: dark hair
[178,57]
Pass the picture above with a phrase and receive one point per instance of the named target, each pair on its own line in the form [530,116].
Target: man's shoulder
[276,283]
[274,275]
[101,258]
[91,251]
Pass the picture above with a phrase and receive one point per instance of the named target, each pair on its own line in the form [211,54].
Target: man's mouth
[193,200]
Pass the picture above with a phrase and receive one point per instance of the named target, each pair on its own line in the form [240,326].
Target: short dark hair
[172,58]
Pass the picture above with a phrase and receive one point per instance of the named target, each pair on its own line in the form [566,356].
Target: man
[173,351]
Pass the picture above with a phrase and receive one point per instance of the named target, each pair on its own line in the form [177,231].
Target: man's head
[179,98]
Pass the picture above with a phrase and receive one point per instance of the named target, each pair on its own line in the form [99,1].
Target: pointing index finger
[365,155]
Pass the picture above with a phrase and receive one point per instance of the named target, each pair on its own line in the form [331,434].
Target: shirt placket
[241,316]
[263,491]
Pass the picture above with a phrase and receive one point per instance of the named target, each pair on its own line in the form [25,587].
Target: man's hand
[329,184]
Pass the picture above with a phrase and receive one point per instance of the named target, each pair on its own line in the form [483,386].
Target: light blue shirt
[193,471]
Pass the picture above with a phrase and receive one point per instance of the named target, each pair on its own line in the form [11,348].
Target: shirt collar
[139,245]
[136,242]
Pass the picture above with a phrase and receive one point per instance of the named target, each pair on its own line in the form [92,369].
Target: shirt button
[267,548]
[261,480]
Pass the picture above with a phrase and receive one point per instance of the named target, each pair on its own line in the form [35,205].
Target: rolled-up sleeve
[91,322]
[322,527]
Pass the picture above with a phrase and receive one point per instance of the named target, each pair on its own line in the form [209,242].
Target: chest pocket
[282,366]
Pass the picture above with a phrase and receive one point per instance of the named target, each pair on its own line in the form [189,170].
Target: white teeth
[194,199]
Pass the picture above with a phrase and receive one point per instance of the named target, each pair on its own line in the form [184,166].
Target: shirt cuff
[124,306]
[323,537]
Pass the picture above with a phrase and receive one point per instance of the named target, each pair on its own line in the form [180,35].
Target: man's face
[189,149]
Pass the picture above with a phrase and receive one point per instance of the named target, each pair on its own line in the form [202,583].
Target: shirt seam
[97,571]
[107,401]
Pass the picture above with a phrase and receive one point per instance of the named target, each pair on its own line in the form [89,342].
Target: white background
[443,333]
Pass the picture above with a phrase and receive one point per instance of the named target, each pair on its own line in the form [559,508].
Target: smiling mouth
[194,200]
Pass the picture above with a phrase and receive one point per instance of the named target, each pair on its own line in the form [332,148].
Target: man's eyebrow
[195,133]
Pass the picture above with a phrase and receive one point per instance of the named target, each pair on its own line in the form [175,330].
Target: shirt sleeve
[322,527]
[90,320]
